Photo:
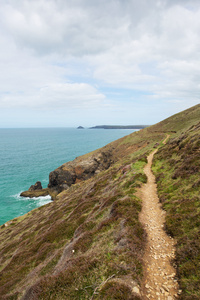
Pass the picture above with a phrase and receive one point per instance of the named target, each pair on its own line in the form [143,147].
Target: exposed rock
[35,190]
[36,186]
[62,178]
[35,193]
[136,290]
[80,127]
[70,173]
[78,170]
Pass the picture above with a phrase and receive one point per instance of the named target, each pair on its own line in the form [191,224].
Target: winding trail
[159,275]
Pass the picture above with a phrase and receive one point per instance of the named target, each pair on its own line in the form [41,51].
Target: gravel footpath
[159,274]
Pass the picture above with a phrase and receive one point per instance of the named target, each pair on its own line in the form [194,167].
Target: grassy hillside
[177,169]
[89,243]
[69,248]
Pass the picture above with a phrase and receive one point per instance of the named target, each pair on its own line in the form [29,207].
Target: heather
[89,243]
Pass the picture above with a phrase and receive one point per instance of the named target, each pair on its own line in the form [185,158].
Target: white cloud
[64,53]
[70,28]
[55,96]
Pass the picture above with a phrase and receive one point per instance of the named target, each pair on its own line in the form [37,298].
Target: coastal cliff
[89,242]
[78,170]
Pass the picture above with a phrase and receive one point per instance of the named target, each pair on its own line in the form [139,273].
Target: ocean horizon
[28,155]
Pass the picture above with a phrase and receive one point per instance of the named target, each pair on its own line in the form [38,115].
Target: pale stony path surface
[159,275]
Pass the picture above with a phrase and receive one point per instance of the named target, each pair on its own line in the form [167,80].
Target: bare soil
[159,274]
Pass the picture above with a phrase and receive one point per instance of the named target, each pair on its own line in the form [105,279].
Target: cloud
[70,28]
[55,96]
[60,53]
[162,59]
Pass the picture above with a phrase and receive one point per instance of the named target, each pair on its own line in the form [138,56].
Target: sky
[65,63]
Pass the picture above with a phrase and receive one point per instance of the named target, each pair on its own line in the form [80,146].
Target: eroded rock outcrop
[36,186]
[81,168]
[78,170]
[35,190]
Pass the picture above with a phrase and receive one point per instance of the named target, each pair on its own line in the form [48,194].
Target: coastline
[28,155]
[119,127]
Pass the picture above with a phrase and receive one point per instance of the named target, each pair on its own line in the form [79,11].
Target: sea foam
[39,201]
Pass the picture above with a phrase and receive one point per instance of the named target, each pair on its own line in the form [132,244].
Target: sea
[28,155]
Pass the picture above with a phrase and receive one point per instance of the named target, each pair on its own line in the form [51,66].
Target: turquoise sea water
[29,155]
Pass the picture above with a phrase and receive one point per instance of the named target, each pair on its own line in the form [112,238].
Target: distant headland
[119,127]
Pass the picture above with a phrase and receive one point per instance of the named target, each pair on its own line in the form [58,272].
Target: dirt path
[165,140]
[159,282]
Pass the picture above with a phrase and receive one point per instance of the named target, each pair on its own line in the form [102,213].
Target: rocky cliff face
[78,170]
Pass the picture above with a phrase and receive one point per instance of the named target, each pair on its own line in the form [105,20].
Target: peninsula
[119,127]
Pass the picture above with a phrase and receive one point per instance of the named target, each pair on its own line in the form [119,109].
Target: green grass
[89,239]
[177,167]
[100,219]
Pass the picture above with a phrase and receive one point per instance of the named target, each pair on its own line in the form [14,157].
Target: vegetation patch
[118,292]
[177,167]
[90,232]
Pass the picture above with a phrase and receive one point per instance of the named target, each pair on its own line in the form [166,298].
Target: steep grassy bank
[89,243]
[177,167]
[69,249]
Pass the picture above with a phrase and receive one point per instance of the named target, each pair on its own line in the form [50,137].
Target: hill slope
[89,243]
[177,168]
